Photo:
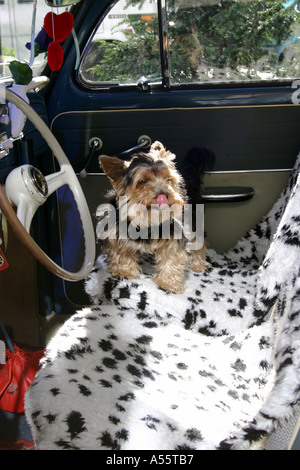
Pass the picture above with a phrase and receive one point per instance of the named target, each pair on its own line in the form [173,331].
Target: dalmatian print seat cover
[217,367]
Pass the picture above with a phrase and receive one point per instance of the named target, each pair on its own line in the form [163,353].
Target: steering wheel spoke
[56,180]
[25,213]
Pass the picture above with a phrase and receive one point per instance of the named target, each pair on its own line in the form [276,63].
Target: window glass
[15,33]
[209,41]
[125,46]
[234,40]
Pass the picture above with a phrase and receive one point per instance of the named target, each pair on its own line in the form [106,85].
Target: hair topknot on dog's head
[157,150]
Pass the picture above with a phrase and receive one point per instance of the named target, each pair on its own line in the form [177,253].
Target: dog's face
[149,180]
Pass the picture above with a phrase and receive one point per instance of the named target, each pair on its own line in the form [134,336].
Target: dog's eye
[143,182]
[169,180]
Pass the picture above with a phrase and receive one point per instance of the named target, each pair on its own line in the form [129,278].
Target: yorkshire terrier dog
[149,196]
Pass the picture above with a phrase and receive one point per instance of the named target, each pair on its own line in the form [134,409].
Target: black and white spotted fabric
[217,367]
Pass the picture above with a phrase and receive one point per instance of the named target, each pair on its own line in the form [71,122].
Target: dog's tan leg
[197,260]
[171,260]
[123,261]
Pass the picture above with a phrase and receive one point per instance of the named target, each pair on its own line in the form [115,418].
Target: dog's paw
[173,287]
[127,273]
[200,267]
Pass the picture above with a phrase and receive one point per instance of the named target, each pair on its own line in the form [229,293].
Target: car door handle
[227,193]
[143,142]
[144,82]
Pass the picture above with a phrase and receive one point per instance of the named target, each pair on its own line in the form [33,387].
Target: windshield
[15,33]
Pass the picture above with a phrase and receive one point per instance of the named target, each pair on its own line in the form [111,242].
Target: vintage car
[112,78]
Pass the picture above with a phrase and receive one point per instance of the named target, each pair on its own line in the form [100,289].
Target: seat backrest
[282,260]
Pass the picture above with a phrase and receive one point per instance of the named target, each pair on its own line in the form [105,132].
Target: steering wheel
[27,189]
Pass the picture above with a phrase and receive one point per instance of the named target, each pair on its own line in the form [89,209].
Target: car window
[209,41]
[125,45]
[237,41]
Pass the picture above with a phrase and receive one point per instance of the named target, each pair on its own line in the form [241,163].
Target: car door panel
[243,138]
[226,223]
[255,147]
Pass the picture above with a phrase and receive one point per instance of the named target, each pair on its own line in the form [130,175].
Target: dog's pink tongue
[162,201]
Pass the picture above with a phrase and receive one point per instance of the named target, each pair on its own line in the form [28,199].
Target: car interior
[125,364]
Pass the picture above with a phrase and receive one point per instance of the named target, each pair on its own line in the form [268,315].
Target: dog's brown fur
[141,180]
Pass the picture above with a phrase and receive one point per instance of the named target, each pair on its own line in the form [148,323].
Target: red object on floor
[16,375]
[18,445]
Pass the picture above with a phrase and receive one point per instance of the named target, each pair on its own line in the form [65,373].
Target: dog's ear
[114,167]
[159,151]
